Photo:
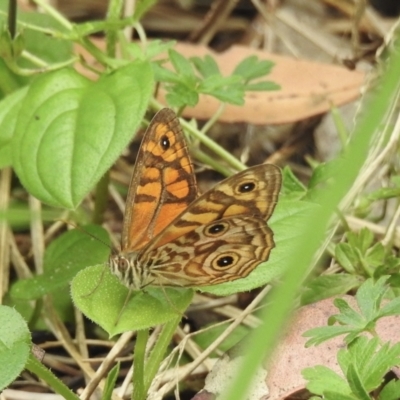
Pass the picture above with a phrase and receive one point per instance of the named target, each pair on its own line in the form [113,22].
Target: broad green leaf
[9,108]
[103,299]
[15,344]
[70,131]
[63,259]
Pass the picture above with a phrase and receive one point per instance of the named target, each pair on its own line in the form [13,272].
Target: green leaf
[251,68]
[347,314]
[321,378]
[324,333]
[9,108]
[356,383]
[391,308]
[70,131]
[181,96]
[390,391]
[346,257]
[103,299]
[206,66]
[292,187]
[63,259]
[15,343]
[369,297]
[325,286]
[110,382]
[263,86]
[182,65]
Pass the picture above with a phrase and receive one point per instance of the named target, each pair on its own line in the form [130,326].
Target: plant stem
[12,18]
[139,392]
[158,352]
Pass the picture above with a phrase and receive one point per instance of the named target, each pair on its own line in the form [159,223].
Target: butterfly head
[127,269]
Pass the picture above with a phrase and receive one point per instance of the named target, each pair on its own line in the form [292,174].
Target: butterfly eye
[165,143]
[246,187]
[216,229]
[225,261]
[123,264]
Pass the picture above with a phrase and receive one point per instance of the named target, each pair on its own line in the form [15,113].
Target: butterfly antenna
[87,233]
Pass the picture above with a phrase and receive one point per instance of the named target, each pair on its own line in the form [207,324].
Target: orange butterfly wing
[163,182]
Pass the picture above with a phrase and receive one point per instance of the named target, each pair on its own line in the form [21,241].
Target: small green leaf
[110,382]
[263,86]
[181,64]
[251,68]
[103,299]
[356,383]
[63,259]
[15,343]
[390,391]
[320,378]
[206,66]
[369,297]
[346,257]
[326,286]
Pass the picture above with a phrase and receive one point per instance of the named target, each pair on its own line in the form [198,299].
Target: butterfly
[174,237]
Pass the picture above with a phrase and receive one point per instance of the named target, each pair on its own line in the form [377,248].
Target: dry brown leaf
[307,88]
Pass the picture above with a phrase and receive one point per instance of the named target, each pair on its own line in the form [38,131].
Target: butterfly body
[172,237]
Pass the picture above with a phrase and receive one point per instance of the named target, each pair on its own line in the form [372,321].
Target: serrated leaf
[324,333]
[251,68]
[181,64]
[391,308]
[15,343]
[320,378]
[70,131]
[346,257]
[347,314]
[63,259]
[369,296]
[103,299]
[325,286]
[356,383]
[206,66]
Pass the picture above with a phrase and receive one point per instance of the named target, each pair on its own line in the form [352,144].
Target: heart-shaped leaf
[103,299]
[71,130]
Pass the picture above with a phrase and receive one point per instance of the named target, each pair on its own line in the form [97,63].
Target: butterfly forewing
[163,182]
